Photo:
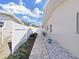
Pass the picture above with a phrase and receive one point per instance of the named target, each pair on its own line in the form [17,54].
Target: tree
[34,25]
[26,23]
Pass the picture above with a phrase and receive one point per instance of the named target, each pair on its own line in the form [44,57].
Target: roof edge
[12,15]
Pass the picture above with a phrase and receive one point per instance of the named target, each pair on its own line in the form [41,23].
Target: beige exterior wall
[50,7]
[7,28]
[9,21]
[14,31]
[64,20]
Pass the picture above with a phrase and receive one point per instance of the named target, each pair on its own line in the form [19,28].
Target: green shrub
[24,50]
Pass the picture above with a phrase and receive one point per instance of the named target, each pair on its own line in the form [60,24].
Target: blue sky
[27,10]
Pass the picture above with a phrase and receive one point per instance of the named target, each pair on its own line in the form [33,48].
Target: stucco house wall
[13,29]
[64,25]
[8,20]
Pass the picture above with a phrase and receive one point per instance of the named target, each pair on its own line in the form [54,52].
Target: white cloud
[21,2]
[37,12]
[38,1]
[25,17]
[21,9]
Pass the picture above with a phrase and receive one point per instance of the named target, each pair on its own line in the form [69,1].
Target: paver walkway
[39,51]
[44,50]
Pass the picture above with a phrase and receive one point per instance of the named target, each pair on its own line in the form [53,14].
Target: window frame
[1,24]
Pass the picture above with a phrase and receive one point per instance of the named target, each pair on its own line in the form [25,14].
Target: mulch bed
[10,46]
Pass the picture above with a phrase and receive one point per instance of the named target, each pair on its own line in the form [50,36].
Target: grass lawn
[23,52]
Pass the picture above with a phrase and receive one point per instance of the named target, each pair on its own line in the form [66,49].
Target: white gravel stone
[43,50]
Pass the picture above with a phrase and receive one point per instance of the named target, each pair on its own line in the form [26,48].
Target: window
[1,24]
[77,23]
[50,27]
[47,27]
